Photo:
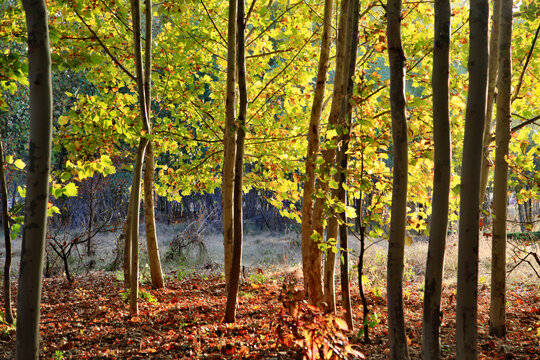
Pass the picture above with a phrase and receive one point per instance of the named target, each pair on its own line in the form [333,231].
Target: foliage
[318,336]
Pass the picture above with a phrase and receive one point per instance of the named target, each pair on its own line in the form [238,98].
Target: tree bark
[134,201]
[229,145]
[467,280]
[156,273]
[398,216]
[344,127]
[7,240]
[37,183]
[314,280]
[441,183]
[491,96]
[232,294]
[497,313]
[313,139]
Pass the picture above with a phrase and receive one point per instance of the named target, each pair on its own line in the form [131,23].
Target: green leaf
[22,191]
[70,190]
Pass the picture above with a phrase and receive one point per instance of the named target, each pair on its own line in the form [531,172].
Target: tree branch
[520,81]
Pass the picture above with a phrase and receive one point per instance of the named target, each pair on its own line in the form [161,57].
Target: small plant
[58,355]
[258,278]
[143,294]
[317,335]
[371,321]
[183,273]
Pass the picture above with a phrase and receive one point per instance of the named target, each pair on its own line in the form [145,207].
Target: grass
[278,252]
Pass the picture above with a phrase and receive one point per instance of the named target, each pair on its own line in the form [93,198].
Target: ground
[89,319]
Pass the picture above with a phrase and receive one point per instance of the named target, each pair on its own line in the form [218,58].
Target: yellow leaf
[408,240]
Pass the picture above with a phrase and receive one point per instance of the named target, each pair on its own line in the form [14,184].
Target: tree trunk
[343,233]
[229,145]
[398,217]
[344,127]
[491,96]
[467,280]
[313,139]
[134,201]
[497,314]
[441,183]
[314,280]
[232,293]
[156,274]
[37,183]
[154,261]
[7,240]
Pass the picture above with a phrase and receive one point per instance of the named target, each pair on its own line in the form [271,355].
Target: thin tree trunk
[315,289]
[37,183]
[134,204]
[342,159]
[127,247]
[441,183]
[467,279]
[313,139]
[134,201]
[396,241]
[229,145]
[7,240]
[232,294]
[493,66]
[497,314]
[156,273]
[344,121]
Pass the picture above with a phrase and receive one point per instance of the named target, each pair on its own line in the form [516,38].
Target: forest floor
[88,319]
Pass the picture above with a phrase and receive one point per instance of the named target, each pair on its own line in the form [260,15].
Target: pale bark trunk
[7,240]
[229,145]
[156,273]
[313,139]
[441,183]
[467,280]
[232,294]
[134,204]
[497,315]
[37,183]
[134,201]
[492,82]
[314,280]
[396,241]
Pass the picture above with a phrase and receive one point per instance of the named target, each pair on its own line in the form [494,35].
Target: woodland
[270,179]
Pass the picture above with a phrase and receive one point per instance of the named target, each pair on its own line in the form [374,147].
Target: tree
[441,182]
[229,141]
[236,263]
[337,216]
[132,236]
[37,184]
[497,318]
[156,274]
[467,281]
[7,239]
[313,142]
[314,280]
[396,241]
[493,67]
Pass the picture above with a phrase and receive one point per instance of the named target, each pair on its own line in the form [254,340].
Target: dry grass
[279,252]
